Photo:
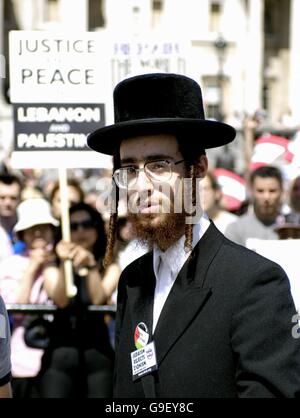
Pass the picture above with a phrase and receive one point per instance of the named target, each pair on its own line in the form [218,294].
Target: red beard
[160,229]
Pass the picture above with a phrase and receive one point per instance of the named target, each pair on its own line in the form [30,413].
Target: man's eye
[157,165]
[130,170]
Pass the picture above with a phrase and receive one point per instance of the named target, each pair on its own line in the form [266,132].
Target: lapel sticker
[141,335]
[143,361]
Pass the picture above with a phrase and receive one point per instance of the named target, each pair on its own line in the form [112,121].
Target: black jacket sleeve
[262,337]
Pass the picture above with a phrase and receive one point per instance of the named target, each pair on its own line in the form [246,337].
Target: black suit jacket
[224,331]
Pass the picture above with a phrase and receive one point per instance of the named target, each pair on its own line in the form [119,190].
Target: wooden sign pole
[71,289]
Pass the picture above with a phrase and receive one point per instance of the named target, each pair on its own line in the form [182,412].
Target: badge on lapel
[143,360]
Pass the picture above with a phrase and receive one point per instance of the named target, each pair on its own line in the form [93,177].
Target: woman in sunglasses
[79,360]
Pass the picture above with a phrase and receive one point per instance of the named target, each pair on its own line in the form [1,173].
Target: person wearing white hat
[33,212]
[21,281]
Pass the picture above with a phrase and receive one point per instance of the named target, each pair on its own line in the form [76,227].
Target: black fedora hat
[159,103]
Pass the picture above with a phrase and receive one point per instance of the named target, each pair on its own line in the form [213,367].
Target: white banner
[56,80]
[75,68]
[50,67]
[286,254]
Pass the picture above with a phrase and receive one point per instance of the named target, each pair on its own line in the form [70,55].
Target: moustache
[139,203]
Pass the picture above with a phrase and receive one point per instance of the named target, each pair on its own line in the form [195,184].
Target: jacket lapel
[140,291]
[188,294]
[186,299]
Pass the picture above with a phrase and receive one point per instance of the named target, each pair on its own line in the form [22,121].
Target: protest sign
[286,254]
[60,87]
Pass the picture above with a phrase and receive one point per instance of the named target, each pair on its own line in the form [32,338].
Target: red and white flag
[233,188]
[271,150]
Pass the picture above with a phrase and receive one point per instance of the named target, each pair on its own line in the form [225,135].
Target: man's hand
[40,256]
[80,256]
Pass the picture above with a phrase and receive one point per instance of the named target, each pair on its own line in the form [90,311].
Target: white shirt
[167,264]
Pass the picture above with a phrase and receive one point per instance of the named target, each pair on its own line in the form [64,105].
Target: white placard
[75,67]
[286,254]
[58,68]
[51,67]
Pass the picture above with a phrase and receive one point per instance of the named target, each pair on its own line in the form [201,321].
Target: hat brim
[211,134]
[22,225]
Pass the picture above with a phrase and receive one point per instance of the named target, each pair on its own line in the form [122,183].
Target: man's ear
[202,166]
[218,195]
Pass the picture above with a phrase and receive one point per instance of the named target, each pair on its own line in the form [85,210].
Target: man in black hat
[198,316]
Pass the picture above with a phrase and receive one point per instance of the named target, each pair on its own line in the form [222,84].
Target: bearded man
[198,316]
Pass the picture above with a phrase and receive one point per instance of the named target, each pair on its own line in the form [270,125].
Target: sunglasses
[87,224]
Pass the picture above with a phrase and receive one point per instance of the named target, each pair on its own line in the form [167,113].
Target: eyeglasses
[87,224]
[157,171]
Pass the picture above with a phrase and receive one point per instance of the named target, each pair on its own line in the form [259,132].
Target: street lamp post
[221,46]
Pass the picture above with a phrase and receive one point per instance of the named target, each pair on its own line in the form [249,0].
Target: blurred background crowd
[72,353]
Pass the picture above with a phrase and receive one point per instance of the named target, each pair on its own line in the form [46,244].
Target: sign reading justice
[49,67]
[60,87]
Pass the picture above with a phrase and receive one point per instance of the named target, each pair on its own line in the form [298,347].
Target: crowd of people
[75,358]
[32,254]
[78,358]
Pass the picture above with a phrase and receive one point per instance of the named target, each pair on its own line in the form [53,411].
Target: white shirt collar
[175,256]
[167,264]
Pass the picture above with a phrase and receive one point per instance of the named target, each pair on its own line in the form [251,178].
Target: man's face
[210,196]
[155,220]
[9,199]
[267,197]
[295,195]
[38,236]
[73,196]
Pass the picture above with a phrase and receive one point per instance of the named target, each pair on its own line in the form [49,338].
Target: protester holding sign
[21,281]
[79,360]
